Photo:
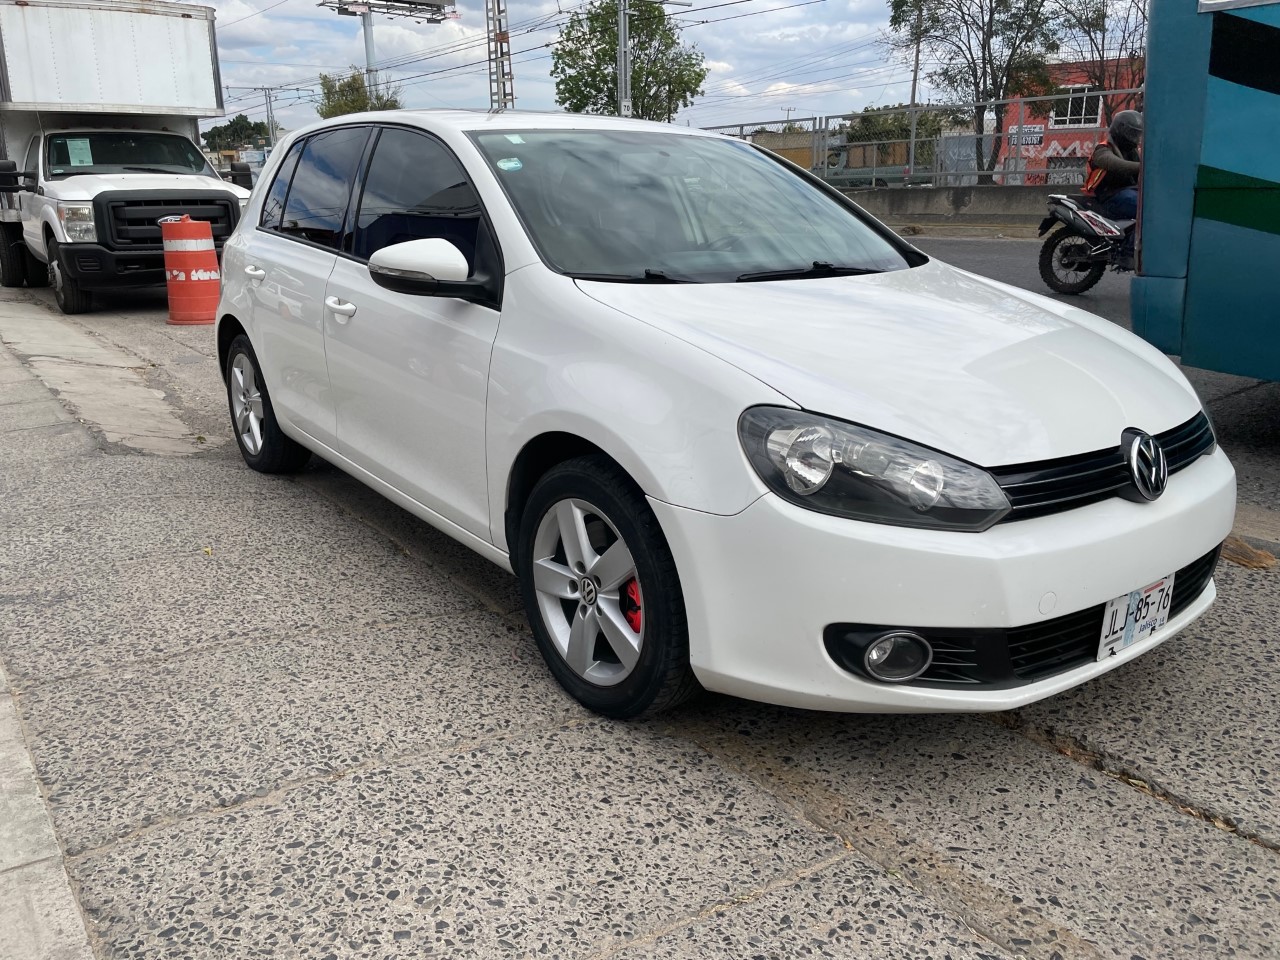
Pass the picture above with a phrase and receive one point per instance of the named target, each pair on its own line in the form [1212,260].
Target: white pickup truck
[99,108]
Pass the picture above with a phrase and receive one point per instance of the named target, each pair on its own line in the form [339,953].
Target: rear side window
[416,190]
[317,202]
[273,206]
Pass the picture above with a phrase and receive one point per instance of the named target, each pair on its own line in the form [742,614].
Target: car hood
[87,186]
[963,364]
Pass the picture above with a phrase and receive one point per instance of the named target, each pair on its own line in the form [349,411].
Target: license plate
[1132,617]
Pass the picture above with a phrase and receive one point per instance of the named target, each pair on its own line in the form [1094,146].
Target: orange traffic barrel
[190,269]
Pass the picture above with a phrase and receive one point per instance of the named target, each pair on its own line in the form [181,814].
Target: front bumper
[95,267]
[760,587]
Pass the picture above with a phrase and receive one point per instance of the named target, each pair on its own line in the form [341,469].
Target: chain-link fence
[1027,141]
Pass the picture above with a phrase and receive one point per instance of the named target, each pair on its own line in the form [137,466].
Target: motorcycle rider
[1111,175]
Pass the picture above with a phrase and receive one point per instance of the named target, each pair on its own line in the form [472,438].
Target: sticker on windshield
[510,164]
[78,152]
[515,138]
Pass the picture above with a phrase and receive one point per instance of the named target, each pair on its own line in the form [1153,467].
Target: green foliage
[665,74]
[235,133]
[342,95]
[982,50]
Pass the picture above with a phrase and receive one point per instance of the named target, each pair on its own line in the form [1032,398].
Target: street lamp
[624,49]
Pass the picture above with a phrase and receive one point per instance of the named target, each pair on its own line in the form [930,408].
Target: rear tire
[1056,263]
[262,443]
[602,593]
[70,296]
[13,261]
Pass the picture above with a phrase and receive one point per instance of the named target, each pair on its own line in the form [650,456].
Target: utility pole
[624,59]
[370,74]
[624,49]
[502,83]
[788,111]
[915,79]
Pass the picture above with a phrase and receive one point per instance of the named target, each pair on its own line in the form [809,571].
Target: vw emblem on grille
[1147,465]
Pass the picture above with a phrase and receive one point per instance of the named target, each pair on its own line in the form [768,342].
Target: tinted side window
[321,185]
[416,190]
[273,206]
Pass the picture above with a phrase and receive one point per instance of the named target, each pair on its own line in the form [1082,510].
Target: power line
[256,13]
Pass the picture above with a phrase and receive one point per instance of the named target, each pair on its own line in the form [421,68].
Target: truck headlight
[77,222]
[851,471]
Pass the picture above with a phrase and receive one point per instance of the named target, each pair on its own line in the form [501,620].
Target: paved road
[248,716]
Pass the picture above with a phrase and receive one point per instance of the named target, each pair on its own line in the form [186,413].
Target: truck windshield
[633,206]
[72,154]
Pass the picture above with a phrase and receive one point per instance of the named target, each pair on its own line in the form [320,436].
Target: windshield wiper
[149,170]
[649,276]
[820,268]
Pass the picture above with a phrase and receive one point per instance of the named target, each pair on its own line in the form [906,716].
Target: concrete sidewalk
[257,716]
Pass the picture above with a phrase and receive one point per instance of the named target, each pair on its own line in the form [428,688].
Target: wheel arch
[229,327]
[538,456]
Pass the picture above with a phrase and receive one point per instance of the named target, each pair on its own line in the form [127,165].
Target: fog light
[898,657]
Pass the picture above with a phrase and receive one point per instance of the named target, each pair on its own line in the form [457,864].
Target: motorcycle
[1074,257]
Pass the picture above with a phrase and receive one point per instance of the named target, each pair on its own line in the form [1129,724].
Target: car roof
[469,120]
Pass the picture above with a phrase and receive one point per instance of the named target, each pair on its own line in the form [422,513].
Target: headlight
[77,222]
[850,471]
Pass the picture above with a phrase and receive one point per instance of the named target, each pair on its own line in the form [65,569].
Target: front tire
[13,261]
[70,296]
[602,593]
[262,443]
[1063,263]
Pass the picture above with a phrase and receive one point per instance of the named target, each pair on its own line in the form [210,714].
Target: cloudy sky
[819,57]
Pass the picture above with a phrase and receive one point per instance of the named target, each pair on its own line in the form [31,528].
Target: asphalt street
[247,716]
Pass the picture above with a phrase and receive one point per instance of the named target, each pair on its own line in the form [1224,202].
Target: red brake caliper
[631,609]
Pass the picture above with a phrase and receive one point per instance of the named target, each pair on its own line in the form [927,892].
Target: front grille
[1009,657]
[1052,486]
[131,219]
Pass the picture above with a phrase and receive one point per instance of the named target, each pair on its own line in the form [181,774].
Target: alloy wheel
[588,592]
[246,403]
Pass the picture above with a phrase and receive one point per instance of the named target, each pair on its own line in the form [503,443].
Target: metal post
[911,150]
[370,75]
[271,120]
[624,60]
[1022,138]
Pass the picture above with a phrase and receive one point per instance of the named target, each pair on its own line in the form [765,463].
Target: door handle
[253,273]
[340,309]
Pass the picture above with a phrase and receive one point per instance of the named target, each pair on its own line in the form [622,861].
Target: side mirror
[430,268]
[241,175]
[9,176]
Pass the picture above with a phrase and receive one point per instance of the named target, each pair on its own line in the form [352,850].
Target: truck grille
[131,220]
[1052,486]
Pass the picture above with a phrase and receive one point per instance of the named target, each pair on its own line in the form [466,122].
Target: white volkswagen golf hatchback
[728,430]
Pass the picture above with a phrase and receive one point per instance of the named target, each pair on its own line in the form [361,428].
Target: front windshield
[71,154]
[624,205]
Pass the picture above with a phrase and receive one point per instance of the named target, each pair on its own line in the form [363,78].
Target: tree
[235,133]
[665,74]
[350,94]
[1107,40]
[983,51]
